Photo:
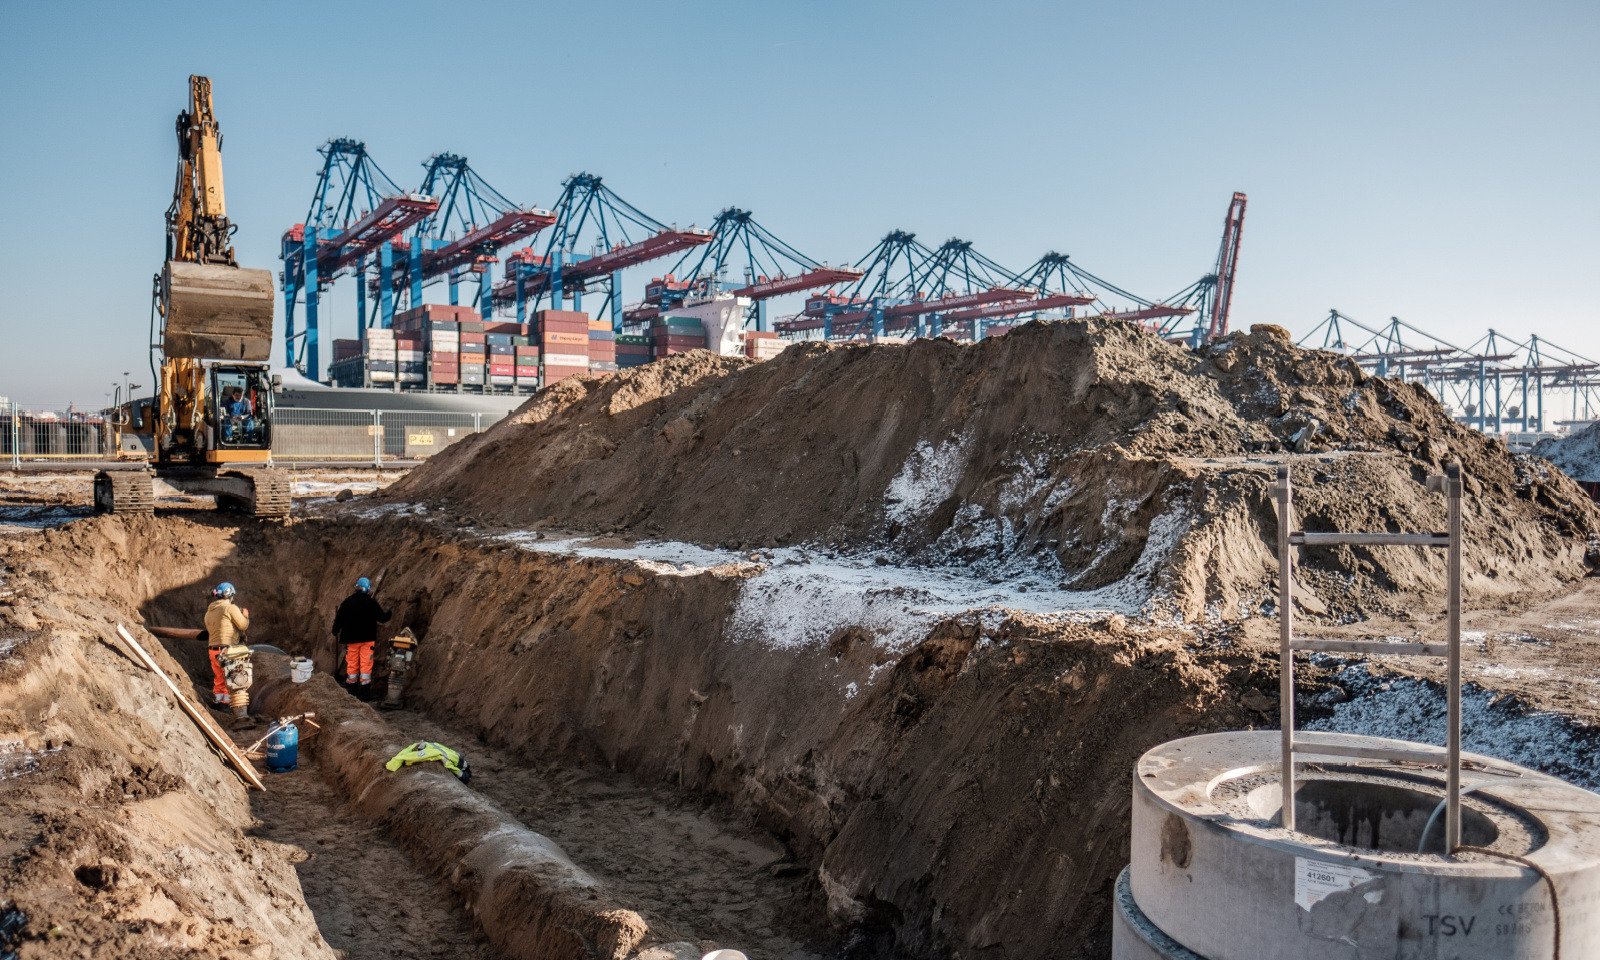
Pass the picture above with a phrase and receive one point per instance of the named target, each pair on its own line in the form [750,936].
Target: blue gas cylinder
[283,749]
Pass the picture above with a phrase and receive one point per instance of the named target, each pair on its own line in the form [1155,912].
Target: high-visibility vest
[425,751]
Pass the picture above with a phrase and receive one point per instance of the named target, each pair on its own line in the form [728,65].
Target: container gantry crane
[1058,272]
[472,224]
[355,213]
[768,267]
[907,288]
[1493,382]
[618,235]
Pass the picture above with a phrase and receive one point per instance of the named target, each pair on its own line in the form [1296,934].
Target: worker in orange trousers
[356,627]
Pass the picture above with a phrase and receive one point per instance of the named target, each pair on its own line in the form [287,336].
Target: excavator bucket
[217,312]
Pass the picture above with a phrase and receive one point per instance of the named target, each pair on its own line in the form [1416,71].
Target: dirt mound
[1577,454]
[1090,454]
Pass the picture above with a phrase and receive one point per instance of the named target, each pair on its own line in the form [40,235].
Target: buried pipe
[526,894]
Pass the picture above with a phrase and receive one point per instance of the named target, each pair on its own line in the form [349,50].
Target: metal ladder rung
[1302,539]
[1373,648]
[1421,753]
[1291,746]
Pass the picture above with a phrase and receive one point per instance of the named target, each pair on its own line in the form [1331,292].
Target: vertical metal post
[415,273]
[477,422]
[377,438]
[1452,826]
[361,299]
[16,438]
[385,286]
[616,302]
[1285,637]
[310,352]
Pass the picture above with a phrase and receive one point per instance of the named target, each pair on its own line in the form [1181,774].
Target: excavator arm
[211,308]
[198,229]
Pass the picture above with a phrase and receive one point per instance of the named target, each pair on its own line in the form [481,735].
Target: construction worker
[225,627]
[356,627]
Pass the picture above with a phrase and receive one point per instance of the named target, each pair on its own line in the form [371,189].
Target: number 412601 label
[1315,880]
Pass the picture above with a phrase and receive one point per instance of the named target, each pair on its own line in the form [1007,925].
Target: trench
[683,862]
[959,792]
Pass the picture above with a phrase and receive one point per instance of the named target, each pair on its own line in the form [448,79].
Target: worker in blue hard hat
[226,624]
[355,626]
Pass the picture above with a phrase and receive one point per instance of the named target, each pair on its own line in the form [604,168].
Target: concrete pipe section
[1214,877]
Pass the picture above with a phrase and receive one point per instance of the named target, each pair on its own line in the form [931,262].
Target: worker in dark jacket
[356,626]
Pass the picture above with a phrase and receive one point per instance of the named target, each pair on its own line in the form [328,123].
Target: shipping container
[566,359]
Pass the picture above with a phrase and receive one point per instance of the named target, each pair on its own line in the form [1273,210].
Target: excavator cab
[240,414]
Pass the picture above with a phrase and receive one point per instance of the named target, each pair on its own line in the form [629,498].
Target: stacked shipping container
[632,351]
[672,335]
[763,346]
[564,341]
[452,347]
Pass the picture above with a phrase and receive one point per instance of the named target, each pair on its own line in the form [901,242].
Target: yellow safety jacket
[425,751]
[225,623]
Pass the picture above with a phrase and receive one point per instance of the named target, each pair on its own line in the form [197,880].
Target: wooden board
[224,743]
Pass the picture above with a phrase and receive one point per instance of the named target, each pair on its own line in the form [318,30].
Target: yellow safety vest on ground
[425,751]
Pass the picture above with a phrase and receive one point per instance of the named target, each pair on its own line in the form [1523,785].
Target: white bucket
[300,669]
[724,954]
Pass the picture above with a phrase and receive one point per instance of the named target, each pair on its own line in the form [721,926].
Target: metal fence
[369,436]
[41,437]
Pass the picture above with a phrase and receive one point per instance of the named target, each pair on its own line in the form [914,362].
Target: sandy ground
[32,501]
[1547,656]
[371,901]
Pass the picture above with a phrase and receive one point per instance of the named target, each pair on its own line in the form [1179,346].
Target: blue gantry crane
[907,288]
[766,267]
[1494,382]
[355,213]
[1057,272]
[464,235]
[595,236]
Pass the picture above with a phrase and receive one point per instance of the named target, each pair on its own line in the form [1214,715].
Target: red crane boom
[1227,266]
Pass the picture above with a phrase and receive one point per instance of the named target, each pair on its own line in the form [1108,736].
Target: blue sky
[1433,161]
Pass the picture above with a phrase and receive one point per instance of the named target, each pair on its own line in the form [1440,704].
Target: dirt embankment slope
[121,834]
[1092,451]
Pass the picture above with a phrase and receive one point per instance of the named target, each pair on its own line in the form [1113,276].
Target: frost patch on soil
[328,488]
[927,478]
[1577,454]
[668,558]
[796,597]
[1406,708]
[40,518]
[15,761]
[396,509]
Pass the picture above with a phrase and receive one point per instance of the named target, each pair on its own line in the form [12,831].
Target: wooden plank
[220,740]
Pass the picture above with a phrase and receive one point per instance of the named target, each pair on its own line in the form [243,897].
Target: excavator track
[124,491]
[270,496]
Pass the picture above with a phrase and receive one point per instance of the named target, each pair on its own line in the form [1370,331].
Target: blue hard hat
[223,590]
[364,585]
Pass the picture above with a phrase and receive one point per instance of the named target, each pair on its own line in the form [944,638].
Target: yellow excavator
[210,421]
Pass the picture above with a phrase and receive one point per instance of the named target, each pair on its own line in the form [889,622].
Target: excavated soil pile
[1093,453]
[1577,454]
